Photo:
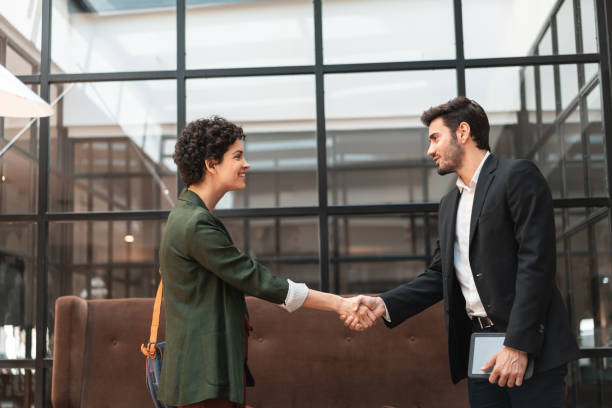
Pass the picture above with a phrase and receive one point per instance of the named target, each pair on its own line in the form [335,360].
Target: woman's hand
[364,307]
[361,316]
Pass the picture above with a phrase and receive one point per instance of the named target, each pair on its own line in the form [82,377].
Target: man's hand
[365,308]
[509,367]
[361,317]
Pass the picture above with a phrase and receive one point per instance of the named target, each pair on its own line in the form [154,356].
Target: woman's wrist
[341,305]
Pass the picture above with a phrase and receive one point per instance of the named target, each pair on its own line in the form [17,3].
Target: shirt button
[479,275]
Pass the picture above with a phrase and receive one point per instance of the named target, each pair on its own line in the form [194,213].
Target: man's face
[444,148]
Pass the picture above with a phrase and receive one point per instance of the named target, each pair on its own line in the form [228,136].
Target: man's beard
[453,158]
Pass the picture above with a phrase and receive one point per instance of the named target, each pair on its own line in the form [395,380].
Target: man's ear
[463,132]
[211,165]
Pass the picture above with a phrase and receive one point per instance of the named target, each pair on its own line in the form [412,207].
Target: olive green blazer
[205,279]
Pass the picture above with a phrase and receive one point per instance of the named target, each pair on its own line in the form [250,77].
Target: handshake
[361,312]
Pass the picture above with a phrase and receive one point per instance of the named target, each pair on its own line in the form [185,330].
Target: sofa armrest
[68,351]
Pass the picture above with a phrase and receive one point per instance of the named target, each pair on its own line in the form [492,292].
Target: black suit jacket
[512,255]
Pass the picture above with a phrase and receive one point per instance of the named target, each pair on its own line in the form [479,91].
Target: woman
[206,278]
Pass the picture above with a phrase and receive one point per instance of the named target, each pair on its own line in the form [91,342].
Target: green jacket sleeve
[213,249]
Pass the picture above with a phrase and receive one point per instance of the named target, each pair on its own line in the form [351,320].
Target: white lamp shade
[17,100]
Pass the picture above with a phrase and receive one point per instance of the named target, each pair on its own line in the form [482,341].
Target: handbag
[154,352]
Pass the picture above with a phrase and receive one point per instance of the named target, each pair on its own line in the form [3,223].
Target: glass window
[568,78]
[565,28]
[278,115]
[102,260]
[490,28]
[548,160]
[17,387]
[17,290]
[545,44]
[548,95]
[287,246]
[19,62]
[22,23]
[590,273]
[510,133]
[376,253]
[582,296]
[373,277]
[103,36]
[603,283]
[589,26]
[249,33]
[589,383]
[108,146]
[387,30]
[515,133]
[376,144]
[596,156]
[19,166]
[574,155]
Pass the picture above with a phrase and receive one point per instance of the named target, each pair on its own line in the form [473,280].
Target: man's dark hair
[462,109]
[203,139]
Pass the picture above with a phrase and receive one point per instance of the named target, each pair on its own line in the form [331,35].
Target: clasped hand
[363,312]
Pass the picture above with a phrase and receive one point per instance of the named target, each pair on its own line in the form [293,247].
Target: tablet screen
[485,347]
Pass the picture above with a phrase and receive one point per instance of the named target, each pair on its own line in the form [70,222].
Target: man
[494,266]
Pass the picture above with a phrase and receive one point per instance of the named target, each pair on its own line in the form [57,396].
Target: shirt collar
[461,185]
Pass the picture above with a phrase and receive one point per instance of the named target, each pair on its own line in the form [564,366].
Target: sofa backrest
[304,359]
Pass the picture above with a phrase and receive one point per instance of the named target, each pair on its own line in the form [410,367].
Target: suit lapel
[449,223]
[487,174]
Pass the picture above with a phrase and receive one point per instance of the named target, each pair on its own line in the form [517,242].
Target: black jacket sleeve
[530,205]
[417,295]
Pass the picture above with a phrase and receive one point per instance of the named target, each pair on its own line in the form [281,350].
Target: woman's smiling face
[231,172]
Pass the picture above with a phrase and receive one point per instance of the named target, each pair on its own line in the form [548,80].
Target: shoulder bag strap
[149,350]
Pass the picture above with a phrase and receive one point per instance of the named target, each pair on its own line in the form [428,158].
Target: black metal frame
[323,211]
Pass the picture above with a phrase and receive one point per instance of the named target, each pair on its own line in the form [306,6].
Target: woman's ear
[211,165]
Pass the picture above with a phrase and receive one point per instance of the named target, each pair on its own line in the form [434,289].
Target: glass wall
[340,193]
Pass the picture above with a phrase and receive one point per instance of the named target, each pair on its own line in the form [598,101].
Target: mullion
[459,49]
[321,148]
[549,130]
[42,307]
[604,26]
[312,69]
[181,91]
[545,27]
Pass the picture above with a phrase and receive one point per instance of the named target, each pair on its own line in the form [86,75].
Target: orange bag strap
[149,350]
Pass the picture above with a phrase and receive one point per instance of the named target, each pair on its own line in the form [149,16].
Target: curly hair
[203,139]
[462,109]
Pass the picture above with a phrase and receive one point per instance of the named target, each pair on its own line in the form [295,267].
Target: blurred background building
[340,194]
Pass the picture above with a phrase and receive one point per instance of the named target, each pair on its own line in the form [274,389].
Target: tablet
[483,346]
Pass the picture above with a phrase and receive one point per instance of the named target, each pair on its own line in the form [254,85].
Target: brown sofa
[304,359]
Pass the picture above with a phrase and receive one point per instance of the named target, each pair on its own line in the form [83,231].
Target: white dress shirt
[473,304]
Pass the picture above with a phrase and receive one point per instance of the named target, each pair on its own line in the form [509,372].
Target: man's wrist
[385,312]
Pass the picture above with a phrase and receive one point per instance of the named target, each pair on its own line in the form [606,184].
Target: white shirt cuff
[386,316]
[297,294]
